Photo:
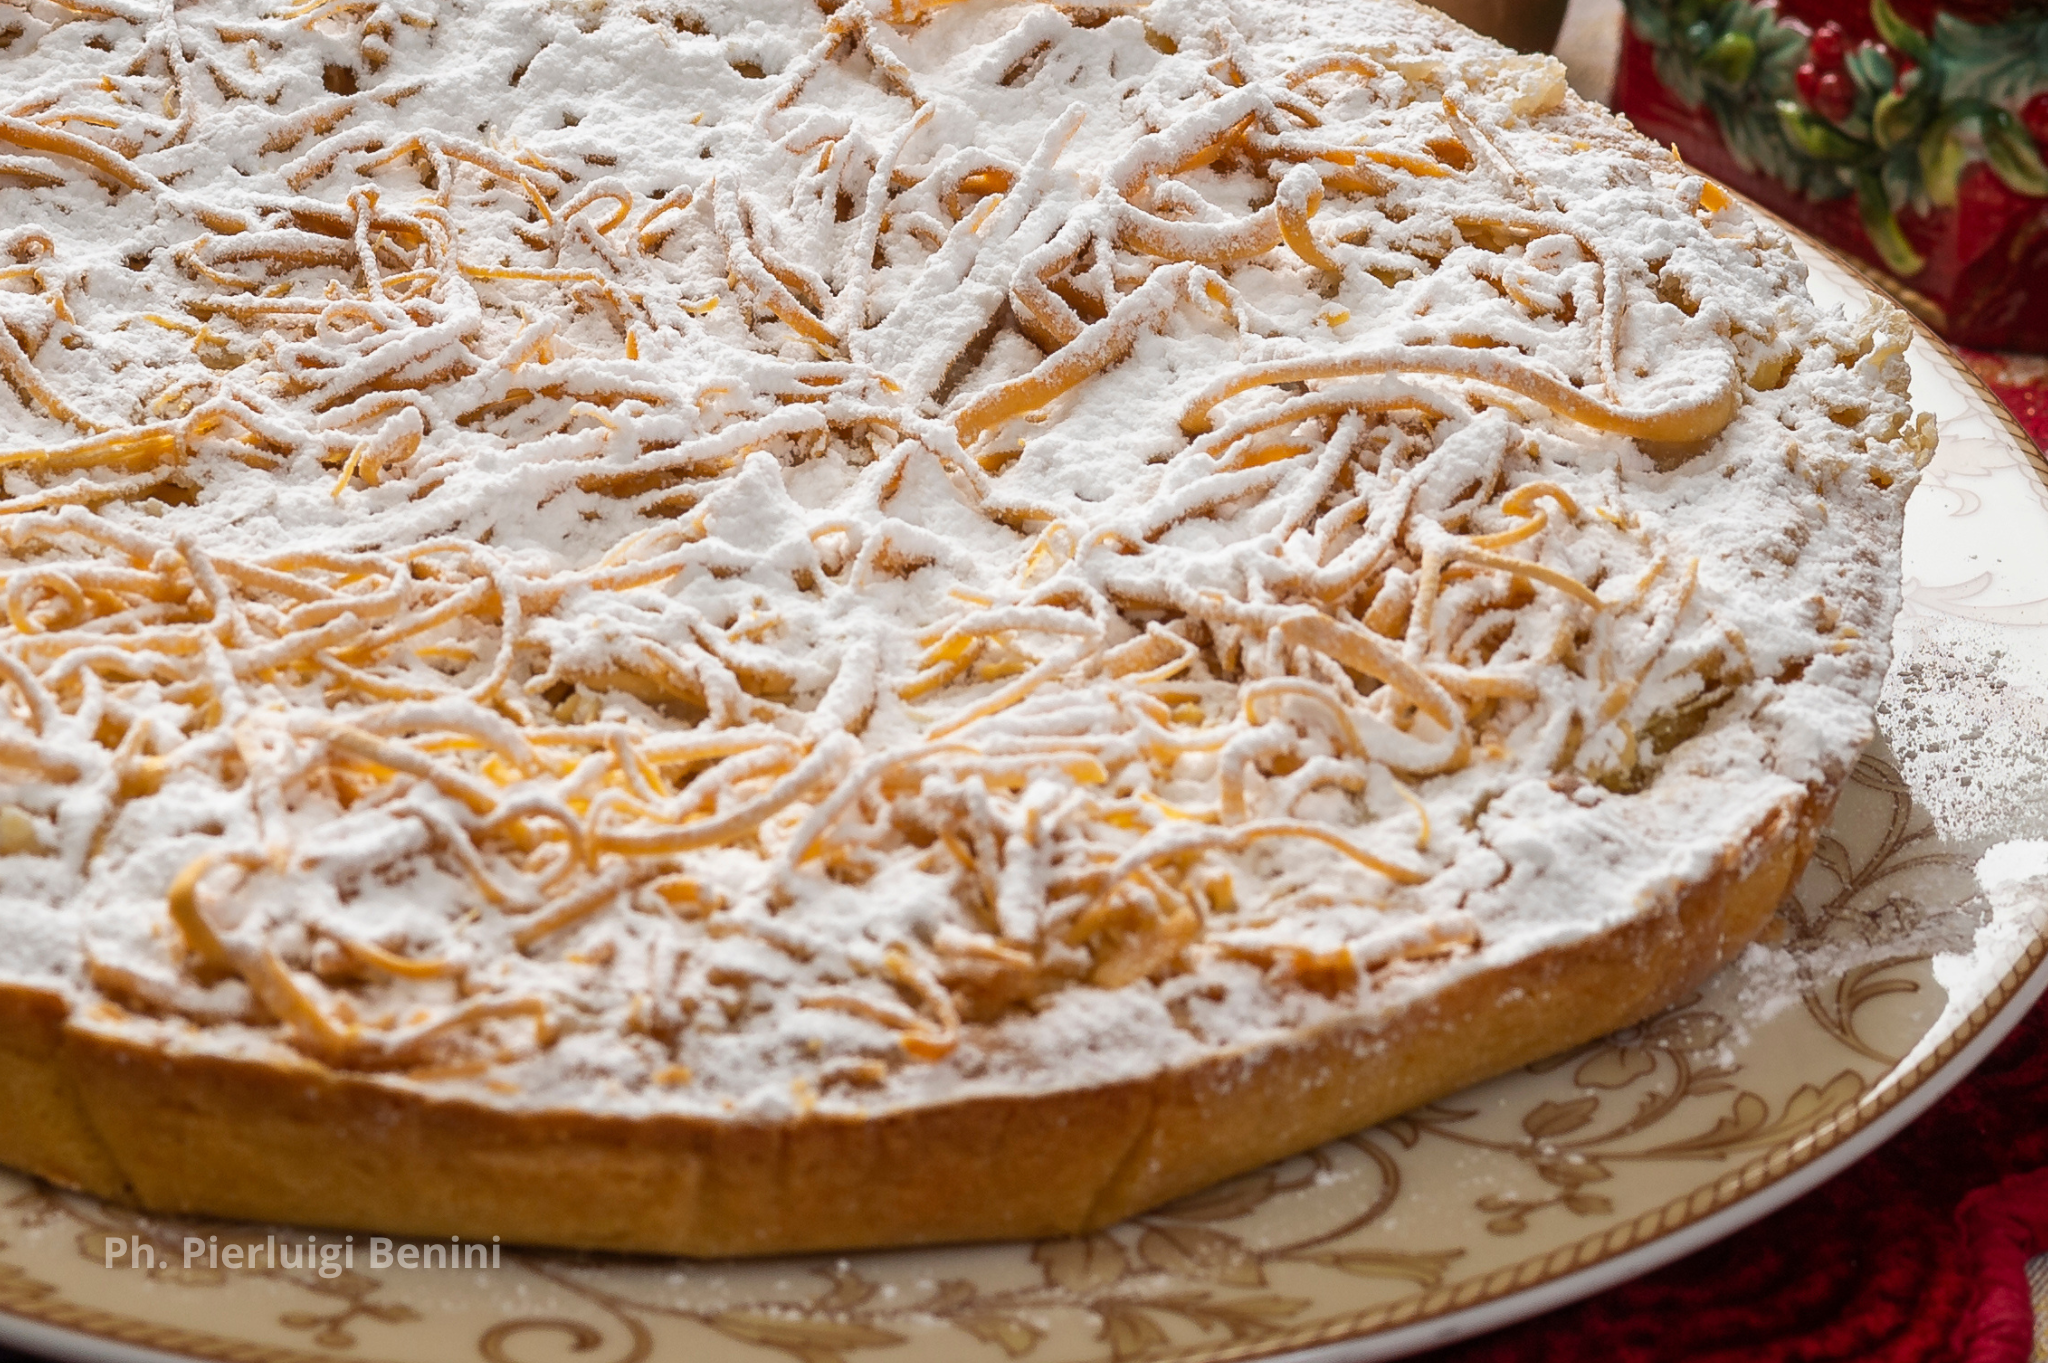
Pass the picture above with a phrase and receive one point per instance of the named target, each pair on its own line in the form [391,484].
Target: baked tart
[727,628]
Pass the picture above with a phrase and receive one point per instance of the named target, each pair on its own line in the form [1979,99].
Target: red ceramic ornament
[1909,134]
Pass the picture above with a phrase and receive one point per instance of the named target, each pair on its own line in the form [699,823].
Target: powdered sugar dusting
[889,554]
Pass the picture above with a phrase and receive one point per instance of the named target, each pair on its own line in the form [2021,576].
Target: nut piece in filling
[735,628]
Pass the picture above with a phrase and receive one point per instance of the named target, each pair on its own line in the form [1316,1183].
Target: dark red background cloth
[2021,382]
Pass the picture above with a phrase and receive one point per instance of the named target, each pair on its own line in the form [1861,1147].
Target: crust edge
[191,1133]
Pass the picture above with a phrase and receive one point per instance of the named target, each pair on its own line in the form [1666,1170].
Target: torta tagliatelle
[737,627]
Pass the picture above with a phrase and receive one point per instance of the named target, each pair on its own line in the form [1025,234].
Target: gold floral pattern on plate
[1493,1198]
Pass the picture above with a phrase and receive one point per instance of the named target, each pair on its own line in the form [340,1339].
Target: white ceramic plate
[1877,996]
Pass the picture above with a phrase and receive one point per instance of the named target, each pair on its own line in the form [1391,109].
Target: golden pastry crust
[142,1119]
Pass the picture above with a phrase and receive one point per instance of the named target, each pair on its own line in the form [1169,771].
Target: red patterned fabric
[2021,381]
[2004,1226]
[1916,1254]
[1868,186]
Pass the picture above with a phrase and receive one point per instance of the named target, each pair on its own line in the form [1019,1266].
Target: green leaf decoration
[1898,32]
[1651,24]
[1816,136]
[1910,136]
[1901,176]
[1993,62]
[1872,69]
[1782,50]
[1883,229]
[1676,72]
[1732,56]
[1748,20]
[2012,156]
[1897,118]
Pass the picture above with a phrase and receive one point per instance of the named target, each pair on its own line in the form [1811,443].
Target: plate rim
[1849,1147]
[1447,1314]
[34,1316]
